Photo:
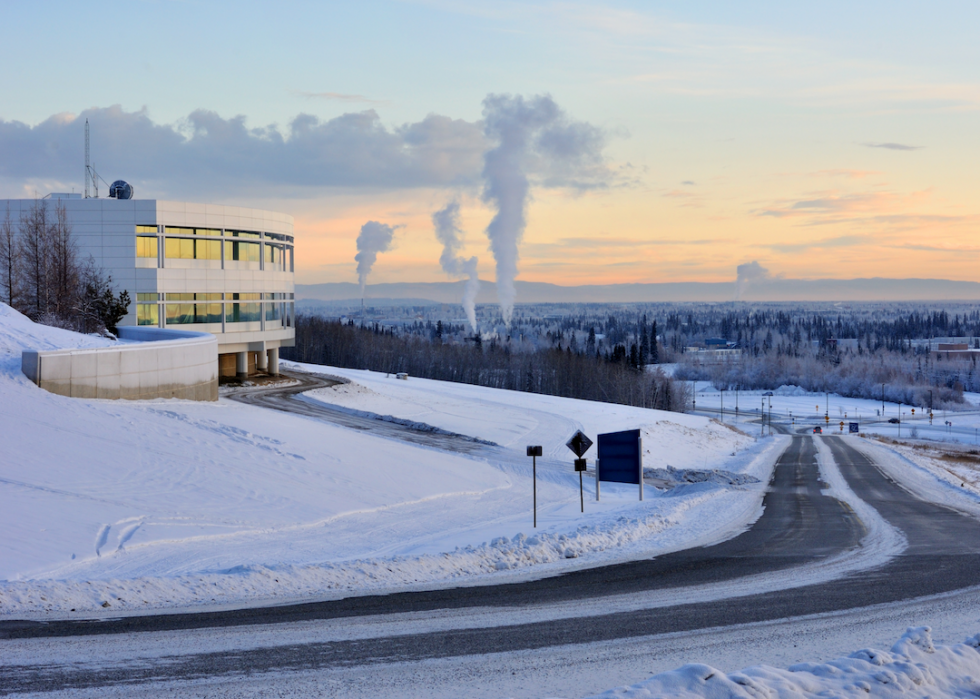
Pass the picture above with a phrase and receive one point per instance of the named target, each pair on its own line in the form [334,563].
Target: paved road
[287,399]
[800,524]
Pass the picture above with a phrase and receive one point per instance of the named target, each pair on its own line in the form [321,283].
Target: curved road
[800,525]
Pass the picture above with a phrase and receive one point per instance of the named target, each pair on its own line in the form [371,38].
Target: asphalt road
[287,399]
[800,525]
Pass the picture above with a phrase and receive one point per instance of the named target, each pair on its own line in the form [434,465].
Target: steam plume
[446,222]
[748,273]
[532,136]
[374,238]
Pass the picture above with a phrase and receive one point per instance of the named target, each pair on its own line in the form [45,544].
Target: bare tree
[64,270]
[9,262]
[35,256]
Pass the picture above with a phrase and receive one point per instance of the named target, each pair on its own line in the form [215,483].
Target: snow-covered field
[793,405]
[118,506]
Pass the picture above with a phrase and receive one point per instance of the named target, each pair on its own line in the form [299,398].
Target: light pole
[736,404]
[762,421]
[883,401]
[899,419]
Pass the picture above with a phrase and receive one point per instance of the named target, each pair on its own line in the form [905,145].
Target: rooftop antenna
[91,176]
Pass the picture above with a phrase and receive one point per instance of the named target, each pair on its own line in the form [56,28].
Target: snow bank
[913,668]
[117,506]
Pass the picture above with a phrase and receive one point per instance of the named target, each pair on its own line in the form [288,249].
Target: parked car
[894,420]
[818,430]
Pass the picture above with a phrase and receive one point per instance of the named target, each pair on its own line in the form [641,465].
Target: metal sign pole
[534,453]
[640,442]
[581,491]
[597,466]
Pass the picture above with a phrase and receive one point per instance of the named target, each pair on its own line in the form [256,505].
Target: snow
[914,667]
[792,404]
[112,507]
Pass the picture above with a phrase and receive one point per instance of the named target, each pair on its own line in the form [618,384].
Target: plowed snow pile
[109,506]
[913,668]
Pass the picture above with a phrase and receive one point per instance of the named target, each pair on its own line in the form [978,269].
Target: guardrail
[158,363]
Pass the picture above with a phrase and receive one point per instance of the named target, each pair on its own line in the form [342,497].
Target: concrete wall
[161,363]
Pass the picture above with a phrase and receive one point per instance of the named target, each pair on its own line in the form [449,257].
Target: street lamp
[883,401]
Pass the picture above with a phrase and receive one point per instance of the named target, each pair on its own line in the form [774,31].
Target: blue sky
[731,119]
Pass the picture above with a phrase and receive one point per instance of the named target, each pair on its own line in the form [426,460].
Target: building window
[191,249]
[147,313]
[242,234]
[146,246]
[243,252]
[152,230]
[273,254]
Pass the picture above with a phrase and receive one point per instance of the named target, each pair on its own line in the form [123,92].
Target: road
[800,525]
[288,399]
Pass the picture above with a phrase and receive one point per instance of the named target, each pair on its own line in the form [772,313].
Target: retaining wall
[160,363]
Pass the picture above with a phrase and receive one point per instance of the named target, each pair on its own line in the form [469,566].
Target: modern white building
[225,270]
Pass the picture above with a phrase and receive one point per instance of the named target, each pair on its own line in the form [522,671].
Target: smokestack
[374,238]
[446,223]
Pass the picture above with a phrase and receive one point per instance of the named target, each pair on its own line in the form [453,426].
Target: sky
[819,140]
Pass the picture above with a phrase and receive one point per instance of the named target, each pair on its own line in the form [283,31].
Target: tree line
[43,277]
[495,364]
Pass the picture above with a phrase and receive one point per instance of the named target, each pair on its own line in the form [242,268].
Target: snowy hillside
[114,505]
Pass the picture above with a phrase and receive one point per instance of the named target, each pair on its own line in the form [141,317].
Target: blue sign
[854,427]
[619,459]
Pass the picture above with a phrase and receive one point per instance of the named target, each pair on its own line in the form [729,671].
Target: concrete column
[261,361]
[274,361]
[241,365]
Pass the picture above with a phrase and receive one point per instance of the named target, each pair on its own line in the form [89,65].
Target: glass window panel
[146,229]
[232,312]
[147,297]
[207,231]
[174,230]
[146,247]
[171,248]
[147,314]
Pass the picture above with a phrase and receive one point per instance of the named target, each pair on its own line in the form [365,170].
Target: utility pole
[762,414]
[883,400]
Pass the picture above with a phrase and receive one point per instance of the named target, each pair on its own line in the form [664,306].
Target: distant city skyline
[823,141]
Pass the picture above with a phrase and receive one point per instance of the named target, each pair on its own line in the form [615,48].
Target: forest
[849,349]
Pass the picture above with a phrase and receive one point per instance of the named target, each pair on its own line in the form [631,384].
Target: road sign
[579,444]
[620,459]
[854,427]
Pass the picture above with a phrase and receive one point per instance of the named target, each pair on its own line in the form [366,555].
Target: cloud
[689,183]
[338,97]
[837,242]
[206,152]
[850,174]
[891,146]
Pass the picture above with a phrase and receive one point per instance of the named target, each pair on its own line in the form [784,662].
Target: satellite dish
[120,189]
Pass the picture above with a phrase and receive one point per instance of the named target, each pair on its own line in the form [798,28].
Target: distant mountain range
[874,289]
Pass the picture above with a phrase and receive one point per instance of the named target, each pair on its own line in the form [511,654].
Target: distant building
[955,351]
[225,270]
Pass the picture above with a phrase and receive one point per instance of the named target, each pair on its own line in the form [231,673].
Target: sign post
[534,453]
[579,444]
